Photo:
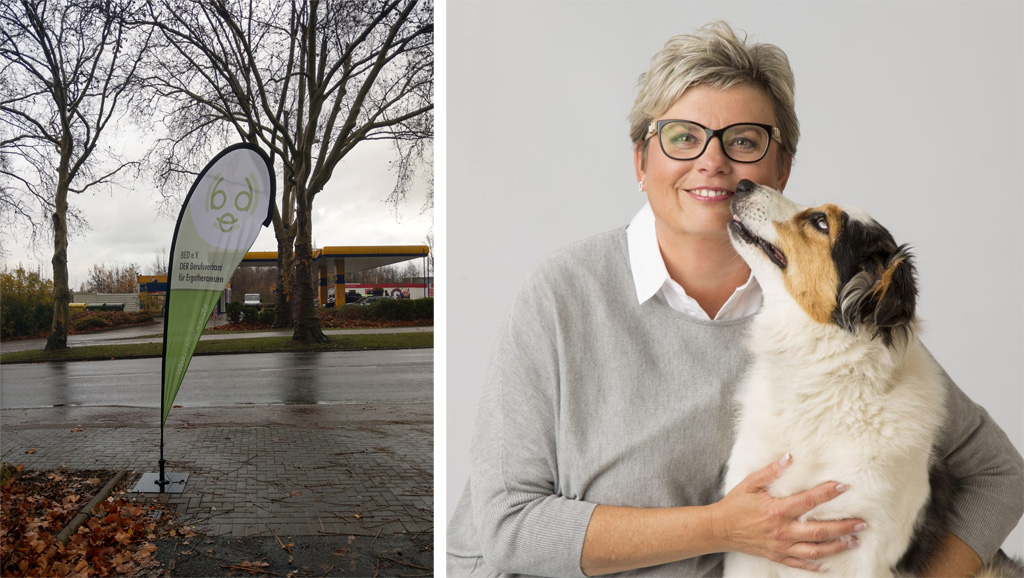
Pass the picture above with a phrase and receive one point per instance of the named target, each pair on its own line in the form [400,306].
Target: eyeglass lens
[741,142]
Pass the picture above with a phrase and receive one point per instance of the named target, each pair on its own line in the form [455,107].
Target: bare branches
[204,71]
[338,73]
[116,278]
[66,70]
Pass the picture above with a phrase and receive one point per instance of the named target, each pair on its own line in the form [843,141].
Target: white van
[252,300]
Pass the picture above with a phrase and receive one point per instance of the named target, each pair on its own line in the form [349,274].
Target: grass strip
[243,345]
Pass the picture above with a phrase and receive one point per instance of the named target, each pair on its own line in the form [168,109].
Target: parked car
[369,299]
[252,300]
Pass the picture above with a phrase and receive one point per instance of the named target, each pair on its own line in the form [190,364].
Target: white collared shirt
[651,277]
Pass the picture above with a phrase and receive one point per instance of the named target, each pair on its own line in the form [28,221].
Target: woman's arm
[747,520]
[988,472]
[954,559]
[524,523]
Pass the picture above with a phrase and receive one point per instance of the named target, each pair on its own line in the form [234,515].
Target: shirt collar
[649,272]
[650,277]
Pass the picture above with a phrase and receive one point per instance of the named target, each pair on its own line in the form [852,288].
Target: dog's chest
[834,431]
[865,428]
[878,453]
[820,414]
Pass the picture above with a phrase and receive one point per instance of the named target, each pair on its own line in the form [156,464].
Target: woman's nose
[713,159]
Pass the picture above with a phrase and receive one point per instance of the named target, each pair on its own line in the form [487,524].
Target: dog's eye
[820,221]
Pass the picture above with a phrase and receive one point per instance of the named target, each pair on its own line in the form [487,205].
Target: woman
[605,418]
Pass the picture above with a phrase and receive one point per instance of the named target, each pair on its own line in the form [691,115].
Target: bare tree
[384,274]
[113,279]
[159,264]
[411,271]
[67,68]
[253,280]
[308,80]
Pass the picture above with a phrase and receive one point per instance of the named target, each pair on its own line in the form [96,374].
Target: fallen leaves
[183,531]
[116,539]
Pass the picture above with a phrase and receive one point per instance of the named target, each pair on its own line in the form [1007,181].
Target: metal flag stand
[162,482]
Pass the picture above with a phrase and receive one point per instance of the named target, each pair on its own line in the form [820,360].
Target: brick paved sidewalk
[259,471]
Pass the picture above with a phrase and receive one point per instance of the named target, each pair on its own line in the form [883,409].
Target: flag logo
[229,203]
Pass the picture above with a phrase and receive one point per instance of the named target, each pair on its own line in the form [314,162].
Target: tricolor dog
[838,377]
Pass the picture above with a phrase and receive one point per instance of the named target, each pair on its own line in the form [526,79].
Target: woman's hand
[747,520]
[751,521]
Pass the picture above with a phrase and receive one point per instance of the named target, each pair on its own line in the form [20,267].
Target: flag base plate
[148,483]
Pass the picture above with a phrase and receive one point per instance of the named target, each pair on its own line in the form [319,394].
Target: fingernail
[786,459]
[852,543]
[842,488]
[860,527]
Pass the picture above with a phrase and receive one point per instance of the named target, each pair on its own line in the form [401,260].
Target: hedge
[388,310]
[26,307]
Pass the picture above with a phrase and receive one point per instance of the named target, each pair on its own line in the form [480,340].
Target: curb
[86,511]
[211,353]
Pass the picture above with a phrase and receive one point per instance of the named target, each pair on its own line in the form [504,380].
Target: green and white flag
[228,204]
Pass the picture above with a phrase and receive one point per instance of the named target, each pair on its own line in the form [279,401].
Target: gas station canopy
[347,259]
[335,262]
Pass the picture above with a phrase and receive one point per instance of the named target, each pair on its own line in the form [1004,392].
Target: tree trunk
[307,326]
[58,338]
[285,263]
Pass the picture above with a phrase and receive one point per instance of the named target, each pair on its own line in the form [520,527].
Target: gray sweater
[592,398]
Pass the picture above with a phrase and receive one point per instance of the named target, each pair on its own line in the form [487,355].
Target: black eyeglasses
[685,140]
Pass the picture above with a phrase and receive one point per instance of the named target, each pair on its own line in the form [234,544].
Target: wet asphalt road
[386,376]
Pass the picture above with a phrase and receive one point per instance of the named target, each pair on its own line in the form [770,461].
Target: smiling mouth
[774,254]
[710,194]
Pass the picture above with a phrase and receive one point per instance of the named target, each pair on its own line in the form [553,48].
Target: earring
[640,186]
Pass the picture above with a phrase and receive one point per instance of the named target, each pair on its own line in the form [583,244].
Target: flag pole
[162,481]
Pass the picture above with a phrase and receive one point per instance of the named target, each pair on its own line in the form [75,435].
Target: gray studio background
[912,111]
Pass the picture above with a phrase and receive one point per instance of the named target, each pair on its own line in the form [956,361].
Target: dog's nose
[745,187]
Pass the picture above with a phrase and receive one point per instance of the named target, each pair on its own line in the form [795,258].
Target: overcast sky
[126,226]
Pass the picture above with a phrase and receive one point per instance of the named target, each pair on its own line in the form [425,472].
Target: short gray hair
[714,56]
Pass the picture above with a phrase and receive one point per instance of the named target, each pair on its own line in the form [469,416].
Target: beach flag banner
[223,213]
[229,203]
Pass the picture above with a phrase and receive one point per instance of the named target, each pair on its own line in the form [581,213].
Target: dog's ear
[882,295]
[896,294]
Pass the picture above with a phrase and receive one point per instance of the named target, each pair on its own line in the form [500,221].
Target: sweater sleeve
[989,472]
[525,525]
